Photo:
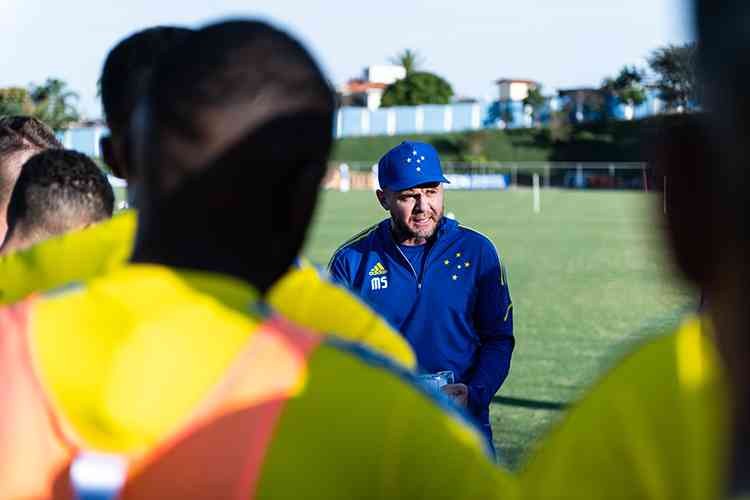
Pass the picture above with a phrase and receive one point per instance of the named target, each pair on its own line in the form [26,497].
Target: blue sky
[470,42]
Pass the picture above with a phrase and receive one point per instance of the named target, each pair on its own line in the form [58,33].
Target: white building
[384,73]
[514,89]
[368,91]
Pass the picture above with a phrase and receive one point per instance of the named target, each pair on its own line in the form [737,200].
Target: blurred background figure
[20,138]
[57,191]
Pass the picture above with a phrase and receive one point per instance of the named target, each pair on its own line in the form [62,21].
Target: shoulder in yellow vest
[303,295]
[655,427]
[142,363]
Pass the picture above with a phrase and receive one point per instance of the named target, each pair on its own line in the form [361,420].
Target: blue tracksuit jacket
[457,315]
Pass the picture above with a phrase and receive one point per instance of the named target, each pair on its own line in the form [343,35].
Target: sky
[471,43]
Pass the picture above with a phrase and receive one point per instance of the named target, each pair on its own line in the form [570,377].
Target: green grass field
[589,280]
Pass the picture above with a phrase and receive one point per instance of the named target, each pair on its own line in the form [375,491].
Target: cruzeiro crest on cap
[378,270]
[417,159]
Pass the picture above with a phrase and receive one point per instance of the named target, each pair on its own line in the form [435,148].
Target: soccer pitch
[589,280]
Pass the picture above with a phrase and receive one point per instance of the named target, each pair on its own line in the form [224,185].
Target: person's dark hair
[723,61]
[59,190]
[723,240]
[25,132]
[236,119]
[248,66]
[128,67]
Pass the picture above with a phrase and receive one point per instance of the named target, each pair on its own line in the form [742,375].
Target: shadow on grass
[529,403]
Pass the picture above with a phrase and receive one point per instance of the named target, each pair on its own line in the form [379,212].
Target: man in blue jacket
[440,284]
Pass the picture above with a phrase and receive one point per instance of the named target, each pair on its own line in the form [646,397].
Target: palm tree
[54,103]
[409,59]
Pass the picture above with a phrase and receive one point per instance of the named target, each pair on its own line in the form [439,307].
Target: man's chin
[424,233]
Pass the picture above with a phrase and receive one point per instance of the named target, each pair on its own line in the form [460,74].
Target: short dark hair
[18,133]
[238,65]
[238,119]
[128,67]
[58,189]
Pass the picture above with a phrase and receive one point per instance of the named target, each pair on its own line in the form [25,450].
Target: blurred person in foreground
[673,419]
[58,191]
[21,137]
[438,282]
[80,255]
[302,295]
[125,75]
[169,373]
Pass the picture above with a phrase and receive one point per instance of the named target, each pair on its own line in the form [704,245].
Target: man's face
[415,212]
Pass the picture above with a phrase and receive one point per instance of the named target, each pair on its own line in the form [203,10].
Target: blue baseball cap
[409,164]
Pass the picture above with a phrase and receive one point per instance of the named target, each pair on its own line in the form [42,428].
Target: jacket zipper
[414,271]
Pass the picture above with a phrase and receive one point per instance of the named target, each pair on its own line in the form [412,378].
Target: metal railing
[576,175]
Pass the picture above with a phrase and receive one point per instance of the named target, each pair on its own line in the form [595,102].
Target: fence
[424,119]
[577,175]
[511,175]
[427,119]
[436,119]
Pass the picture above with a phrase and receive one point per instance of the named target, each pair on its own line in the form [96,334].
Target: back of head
[231,144]
[26,132]
[57,191]
[723,28]
[127,69]
[124,78]
[20,138]
[722,180]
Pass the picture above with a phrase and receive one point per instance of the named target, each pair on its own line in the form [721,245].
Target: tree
[585,104]
[15,101]
[535,101]
[54,103]
[409,59]
[417,88]
[627,86]
[674,67]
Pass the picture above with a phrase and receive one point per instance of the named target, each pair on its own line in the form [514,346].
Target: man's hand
[459,393]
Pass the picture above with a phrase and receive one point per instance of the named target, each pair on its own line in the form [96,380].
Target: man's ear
[112,158]
[382,199]
[682,159]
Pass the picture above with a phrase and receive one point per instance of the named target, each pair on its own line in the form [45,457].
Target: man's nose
[418,204]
